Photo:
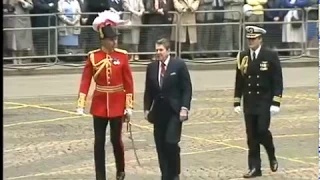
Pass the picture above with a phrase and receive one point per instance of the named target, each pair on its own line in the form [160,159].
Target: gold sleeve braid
[237,100]
[81,100]
[277,99]
[129,101]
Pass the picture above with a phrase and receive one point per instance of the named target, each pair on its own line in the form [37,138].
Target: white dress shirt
[256,51]
[166,62]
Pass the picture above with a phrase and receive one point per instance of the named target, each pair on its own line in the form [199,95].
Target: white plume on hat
[108,17]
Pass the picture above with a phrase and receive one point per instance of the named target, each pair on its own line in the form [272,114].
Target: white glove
[146,113]
[128,112]
[237,109]
[80,111]
[274,109]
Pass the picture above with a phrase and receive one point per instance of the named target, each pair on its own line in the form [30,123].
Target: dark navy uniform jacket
[259,82]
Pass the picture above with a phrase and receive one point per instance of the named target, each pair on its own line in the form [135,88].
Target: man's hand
[80,111]
[237,109]
[140,13]
[183,114]
[274,110]
[84,20]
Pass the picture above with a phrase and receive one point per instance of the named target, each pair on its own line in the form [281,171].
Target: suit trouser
[257,129]
[167,134]
[100,124]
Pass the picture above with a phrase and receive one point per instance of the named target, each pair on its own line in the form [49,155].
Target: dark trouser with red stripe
[100,124]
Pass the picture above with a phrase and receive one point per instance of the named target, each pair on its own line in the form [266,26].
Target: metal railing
[149,33]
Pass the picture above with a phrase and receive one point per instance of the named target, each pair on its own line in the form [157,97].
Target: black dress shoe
[253,173]
[274,165]
[120,175]
[176,178]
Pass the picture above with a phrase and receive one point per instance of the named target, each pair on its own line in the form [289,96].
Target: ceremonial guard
[113,94]
[259,82]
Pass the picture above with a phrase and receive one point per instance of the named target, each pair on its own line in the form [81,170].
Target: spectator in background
[257,11]
[312,34]
[18,42]
[69,15]
[273,37]
[157,14]
[205,33]
[292,33]
[44,40]
[232,31]
[117,6]
[187,34]
[93,7]
[131,37]
[218,17]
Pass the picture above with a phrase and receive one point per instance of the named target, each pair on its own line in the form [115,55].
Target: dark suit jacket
[176,91]
[261,85]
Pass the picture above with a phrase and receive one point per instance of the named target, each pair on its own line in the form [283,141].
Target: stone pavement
[44,139]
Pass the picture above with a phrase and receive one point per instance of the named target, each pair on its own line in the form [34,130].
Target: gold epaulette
[121,51]
[237,100]
[277,99]
[93,51]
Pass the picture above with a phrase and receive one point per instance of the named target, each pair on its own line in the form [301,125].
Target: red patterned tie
[163,70]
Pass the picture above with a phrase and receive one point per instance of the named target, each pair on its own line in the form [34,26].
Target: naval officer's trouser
[257,129]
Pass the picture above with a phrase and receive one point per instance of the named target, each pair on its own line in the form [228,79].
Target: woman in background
[70,15]
[18,42]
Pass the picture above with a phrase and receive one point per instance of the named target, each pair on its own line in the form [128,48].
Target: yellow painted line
[308,157]
[110,164]
[229,145]
[43,121]
[242,148]
[275,118]
[210,122]
[229,99]
[15,107]
[275,136]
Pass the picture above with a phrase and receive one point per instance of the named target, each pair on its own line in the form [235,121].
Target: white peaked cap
[254,31]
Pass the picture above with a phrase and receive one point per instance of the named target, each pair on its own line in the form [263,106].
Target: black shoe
[121,175]
[253,173]
[274,165]
[176,178]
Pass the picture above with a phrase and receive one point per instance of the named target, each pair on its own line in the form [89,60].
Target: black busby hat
[108,32]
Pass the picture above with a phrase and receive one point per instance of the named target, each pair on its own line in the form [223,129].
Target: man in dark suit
[259,81]
[167,100]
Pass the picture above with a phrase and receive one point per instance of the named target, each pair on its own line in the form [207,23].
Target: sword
[129,125]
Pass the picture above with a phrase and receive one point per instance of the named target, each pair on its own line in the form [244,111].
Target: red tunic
[114,83]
